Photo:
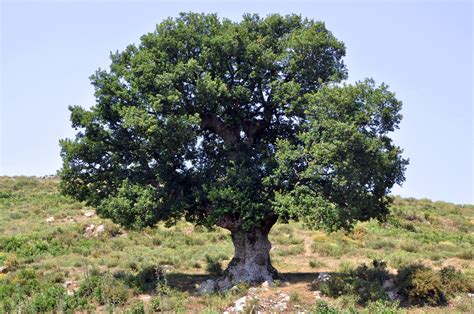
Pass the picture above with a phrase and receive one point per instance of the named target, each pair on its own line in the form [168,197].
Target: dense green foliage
[209,119]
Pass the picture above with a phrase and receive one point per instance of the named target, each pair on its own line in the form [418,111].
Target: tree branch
[214,124]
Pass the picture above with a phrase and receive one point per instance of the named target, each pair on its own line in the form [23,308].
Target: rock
[317,294]
[252,290]
[89,214]
[49,219]
[392,295]
[284,296]
[100,229]
[240,304]
[70,286]
[67,283]
[388,284]
[281,306]
[3,269]
[145,298]
[234,289]
[265,284]
[90,229]
[322,277]
[391,290]
[207,286]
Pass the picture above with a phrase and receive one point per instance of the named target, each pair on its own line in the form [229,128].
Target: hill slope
[57,254]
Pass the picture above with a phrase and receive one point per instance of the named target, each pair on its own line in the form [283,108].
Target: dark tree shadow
[189,282]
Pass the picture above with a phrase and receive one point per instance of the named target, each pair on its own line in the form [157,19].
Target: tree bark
[251,262]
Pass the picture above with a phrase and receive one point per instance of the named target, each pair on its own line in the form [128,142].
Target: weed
[466,254]
[316,264]
[251,307]
[383,307]
[295,297]
[410,246]
[290,250]
[322,307]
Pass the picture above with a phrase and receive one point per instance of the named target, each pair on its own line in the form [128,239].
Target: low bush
[454,281]
[316,264]
[290,250]
[104,288]
[364,282]
[322,307]
[420,285]
[168,300]
[383,307]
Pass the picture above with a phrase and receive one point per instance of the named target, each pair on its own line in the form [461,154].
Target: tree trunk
[251,261]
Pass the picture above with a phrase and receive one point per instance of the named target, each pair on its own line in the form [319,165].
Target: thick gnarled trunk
[251,261]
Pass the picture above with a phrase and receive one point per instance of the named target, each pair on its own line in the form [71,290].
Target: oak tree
[235,124]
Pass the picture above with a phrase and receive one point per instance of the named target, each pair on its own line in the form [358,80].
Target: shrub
[359,232]
[104,288]
[322,307]
[47,299]
[466,254]
[251,306]
[11,262]
[172,302]
[408,226]
[383,307]
[148,278]
[420,285]
[290,250]
[329,249]
[454,281]
[410,246]
[378,244]
[295,297]
[364,282]
[138,308]
[316,264]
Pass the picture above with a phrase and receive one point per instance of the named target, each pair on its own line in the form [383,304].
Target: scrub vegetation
[51,263]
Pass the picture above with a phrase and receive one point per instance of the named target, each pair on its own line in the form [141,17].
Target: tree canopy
[234,124]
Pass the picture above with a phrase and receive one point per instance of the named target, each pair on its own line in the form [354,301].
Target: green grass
[42,257]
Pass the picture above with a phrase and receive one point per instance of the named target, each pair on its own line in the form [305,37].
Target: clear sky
[421,49]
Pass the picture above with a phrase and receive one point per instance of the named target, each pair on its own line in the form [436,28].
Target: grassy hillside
[52,258]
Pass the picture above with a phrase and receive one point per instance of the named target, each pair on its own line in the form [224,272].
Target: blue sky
[421,49]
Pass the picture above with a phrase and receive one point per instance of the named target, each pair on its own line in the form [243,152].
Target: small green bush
[383,307]
[322,307]
[47,299]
